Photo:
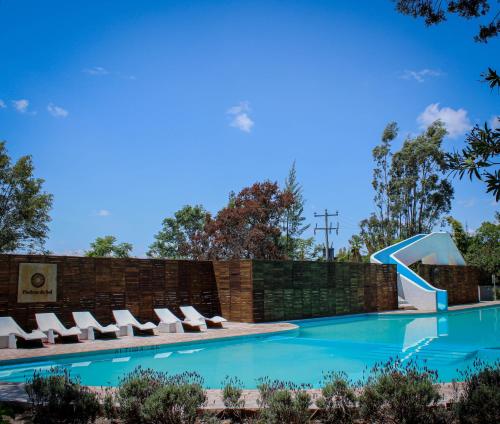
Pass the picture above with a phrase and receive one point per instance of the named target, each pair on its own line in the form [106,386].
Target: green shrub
[5,411]
[401,394]
[232,398]
[479,399]
[176,402]
[59,398]
[337,403]
[133,391]
[283,402]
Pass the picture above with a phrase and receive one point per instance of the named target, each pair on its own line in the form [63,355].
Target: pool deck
[231,329]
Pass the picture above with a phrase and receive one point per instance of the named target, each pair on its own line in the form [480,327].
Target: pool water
[447,342]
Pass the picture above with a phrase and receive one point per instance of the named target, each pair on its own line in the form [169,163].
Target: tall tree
[293,218]
[420,193]
[24,206]
[107,247]
[181,237]
[412,194]
[250,227]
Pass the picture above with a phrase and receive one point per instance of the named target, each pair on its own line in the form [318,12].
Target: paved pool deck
[231,329]
[450,308]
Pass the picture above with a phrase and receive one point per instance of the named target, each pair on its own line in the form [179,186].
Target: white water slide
[435,249]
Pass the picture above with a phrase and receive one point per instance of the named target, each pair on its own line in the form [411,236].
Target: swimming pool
[447,342]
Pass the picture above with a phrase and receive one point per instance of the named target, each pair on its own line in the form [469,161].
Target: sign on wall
[37,283]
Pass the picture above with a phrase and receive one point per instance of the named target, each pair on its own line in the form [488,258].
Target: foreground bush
[176,402]
[232,398]
[59,398]
[283,402]
[479,398]
[337,403]
[151,397]
[402,394]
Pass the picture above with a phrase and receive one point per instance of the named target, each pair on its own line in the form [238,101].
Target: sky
[133,109]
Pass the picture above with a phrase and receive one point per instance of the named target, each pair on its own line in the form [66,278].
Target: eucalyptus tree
[412,194]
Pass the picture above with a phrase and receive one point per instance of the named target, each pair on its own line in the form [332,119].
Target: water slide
[435,248]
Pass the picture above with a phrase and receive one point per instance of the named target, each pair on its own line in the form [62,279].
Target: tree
[484,247]
[24,206]
[106,247]
[434,12]
[419,192]
[482,144]
[181,237]
[411,193]
[482,151]
[250,227]
[461,238]
[293,219]
[305,249]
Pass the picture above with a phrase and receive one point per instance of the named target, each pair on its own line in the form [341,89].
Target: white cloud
[103,212]
[57,111]
[456,121]
[420,76]
[21,105]
[96,71]
[2,104]
[240,117]
[467,203]
[495,122]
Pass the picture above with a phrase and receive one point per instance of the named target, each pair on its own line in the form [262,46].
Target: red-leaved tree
[249,227]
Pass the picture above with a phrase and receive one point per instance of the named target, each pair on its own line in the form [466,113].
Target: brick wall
[460,281]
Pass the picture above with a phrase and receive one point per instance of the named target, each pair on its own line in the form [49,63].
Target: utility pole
[327,229]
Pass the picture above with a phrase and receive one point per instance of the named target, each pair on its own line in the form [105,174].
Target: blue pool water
[447,342]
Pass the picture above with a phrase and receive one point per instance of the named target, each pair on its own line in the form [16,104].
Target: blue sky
[133,109]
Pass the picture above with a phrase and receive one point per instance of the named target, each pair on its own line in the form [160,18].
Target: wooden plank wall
[100,285]
[286,290]
[460,281]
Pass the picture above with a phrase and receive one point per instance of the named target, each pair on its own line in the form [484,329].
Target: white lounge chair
[86,322]
[10,331]
[126,323]
[193,315]
[169,322]
[50,325]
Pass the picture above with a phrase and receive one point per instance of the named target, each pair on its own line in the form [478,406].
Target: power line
[329,253]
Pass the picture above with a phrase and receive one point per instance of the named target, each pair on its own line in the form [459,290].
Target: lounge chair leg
[87,334]
[12,341]
[50,337]
[126,330]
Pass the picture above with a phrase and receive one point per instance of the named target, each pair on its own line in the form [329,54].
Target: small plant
[283,402]
[479,399]
[133,391]
[5,411]
[232,397]
[337,403]
[404,394]
[176,402]
[59,398]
